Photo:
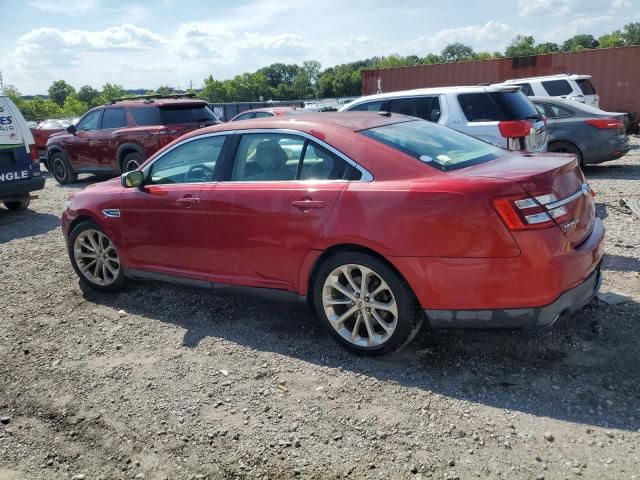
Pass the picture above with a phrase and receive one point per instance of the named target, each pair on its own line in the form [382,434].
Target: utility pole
[1,84]
[190,84]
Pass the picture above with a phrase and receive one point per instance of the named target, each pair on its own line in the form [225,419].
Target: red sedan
[380,220]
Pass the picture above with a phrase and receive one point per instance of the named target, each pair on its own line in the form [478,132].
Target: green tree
[609,40]
[88,95]
[39,109]
[312,67]
[431,58]
[165,90]
[59,91]
[111,92]
[457,52]
[483,56]
[73,107]
[631,33]
[579,42]
[521,46]
[14,94]
[547,47]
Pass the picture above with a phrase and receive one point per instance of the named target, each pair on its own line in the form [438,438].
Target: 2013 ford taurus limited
[381,221]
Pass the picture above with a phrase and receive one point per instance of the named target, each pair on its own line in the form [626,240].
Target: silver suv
[570,87]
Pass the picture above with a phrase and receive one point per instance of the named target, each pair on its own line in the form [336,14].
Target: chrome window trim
[147,168]
[584,190]
[366,175]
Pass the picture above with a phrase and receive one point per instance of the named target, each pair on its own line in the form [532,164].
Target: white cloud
[200,40]
[616,4]
[551,8]
[581,24]
[490,36]
[68,7]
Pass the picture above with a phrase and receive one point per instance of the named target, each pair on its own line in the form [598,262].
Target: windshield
[436,145]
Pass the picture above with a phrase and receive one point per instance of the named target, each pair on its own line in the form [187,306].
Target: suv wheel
[566,147]
[95,258]
[61,169]
[131,161]
[21,204]
[365,305]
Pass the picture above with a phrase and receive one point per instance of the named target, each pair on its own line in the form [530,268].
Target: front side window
[113,118]
[367,107]
[267,157]
[191,162]
[320,164]
[435,145]
[557,88]
[91,121]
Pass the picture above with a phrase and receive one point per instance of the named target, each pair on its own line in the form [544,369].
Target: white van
[19,162]
[569,86]
[501,115]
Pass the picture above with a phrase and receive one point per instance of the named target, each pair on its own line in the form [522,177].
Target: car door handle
[188,201]
[308,204]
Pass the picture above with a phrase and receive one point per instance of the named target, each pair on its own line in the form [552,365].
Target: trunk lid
[545,174]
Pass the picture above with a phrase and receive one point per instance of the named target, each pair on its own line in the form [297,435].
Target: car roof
[570,104]
[268,109]
[559,76]
[156,102]
[431,91]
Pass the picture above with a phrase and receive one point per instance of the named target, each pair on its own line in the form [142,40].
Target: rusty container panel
[615,72]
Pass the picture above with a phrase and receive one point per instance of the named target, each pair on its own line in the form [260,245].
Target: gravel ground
[168,382]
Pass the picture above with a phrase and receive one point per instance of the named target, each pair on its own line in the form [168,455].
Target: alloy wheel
[131,165]
[96,257]
[360,305]
[59,169]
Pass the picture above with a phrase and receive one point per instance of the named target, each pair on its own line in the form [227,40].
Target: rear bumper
[569,301]
[603,150]
[20,187]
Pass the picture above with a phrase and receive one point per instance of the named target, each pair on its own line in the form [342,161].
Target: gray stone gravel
[169,382]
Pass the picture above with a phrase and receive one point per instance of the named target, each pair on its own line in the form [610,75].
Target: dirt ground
[190,384]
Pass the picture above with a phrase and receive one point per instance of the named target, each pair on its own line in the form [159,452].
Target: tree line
[281,81]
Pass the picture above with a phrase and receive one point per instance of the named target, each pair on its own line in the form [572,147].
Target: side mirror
[71,129]
[132,179]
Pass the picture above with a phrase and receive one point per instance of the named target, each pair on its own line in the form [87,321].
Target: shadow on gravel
[14,225]
[621,263]
[612,172]
[584,369]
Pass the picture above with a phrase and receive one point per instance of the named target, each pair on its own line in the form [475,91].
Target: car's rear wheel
[61,170]
[20,204]
[95,257]
[130,162]
[365,305]
[565,147]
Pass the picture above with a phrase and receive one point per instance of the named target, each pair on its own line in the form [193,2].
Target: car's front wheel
[365,305]
[61,170]
[19,204]
[95,257]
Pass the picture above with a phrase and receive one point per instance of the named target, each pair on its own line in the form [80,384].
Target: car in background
[263,113]
[121,135]
[569,86]
[380,221]
[593,135]
[44,129]
[19,164]
[500,115]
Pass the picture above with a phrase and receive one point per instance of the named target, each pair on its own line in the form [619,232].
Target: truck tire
[21,204]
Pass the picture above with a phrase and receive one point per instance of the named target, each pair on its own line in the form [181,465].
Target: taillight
[605,123]
[33,150]
[523,212]
[514,128]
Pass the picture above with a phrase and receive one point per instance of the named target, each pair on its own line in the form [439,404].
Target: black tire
[61,169]
[565,147]
[131,161]
[410,316]
[16,205]
[117,284]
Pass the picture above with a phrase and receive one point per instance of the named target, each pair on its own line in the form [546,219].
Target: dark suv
[119,136]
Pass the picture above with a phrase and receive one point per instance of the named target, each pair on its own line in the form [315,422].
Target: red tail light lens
[605,123]
[522,212]
[514,128]
[33,150]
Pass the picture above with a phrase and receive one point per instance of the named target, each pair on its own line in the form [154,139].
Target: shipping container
[615,72]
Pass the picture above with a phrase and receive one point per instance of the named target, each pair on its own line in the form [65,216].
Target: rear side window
[496,106]
[144,116]
[367,107]
[427,108]
[553,111]
[526,89]
[186,114]
[245,116]
[586,86]
[557,88]
[320,164]
[263,114]
[435,145]
[113,118]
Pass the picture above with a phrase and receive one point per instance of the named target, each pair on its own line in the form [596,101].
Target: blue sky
[171,42]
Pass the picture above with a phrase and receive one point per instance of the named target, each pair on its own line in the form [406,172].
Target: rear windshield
[496,106]
[186,114]
[586,86]
[436,145]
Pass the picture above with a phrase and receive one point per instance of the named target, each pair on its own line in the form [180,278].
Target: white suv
[572,87]
[501,115]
